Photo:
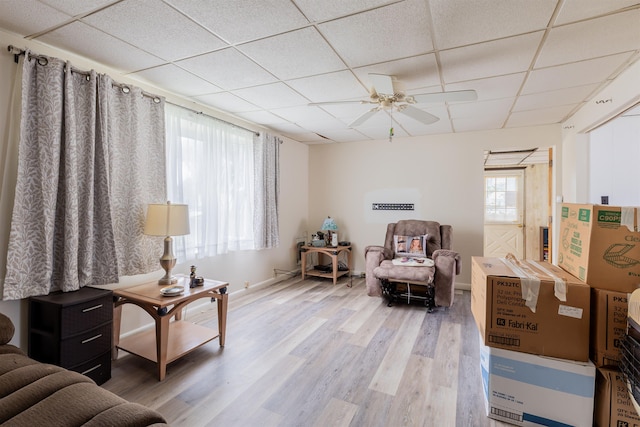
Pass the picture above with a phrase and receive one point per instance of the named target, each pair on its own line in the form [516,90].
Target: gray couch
[39,394]
[380,269]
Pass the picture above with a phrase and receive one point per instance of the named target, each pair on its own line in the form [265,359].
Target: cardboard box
[596,248]
[556,328]
[528,390]
[608,326]
[613,407]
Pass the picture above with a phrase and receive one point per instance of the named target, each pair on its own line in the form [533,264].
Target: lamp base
[167,261]
[166,281]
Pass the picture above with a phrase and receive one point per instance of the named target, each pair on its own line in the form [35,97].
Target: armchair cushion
[388,270]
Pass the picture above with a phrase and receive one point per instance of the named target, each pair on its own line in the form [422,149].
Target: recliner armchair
[389,274]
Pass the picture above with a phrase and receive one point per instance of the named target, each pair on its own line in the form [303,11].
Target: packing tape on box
[529,283]
[628,218]
[559,287]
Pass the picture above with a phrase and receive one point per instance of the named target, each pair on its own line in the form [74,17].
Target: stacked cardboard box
[533,319]
[601,245]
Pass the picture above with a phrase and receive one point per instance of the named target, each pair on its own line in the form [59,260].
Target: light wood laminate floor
[308,353]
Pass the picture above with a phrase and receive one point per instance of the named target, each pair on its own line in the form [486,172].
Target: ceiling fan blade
[453,96]
[419,115]
[338,102]
[382,83]
[363,118]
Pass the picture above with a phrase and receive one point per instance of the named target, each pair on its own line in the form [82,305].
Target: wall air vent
[392,206]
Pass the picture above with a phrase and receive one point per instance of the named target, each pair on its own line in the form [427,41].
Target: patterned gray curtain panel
[78,209]
[267,187]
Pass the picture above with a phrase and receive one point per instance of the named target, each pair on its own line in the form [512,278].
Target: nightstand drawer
[98,369]
[86,315]
[85,346]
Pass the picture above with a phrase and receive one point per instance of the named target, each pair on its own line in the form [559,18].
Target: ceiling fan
[385,97]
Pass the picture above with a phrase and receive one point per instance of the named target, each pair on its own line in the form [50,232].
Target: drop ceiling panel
[392,32]
[324,10]
[338,86]
[75,7]
[297,54]
[275,95]
[29,16]
[228,101]
[500,57]
[497,108]
[239,21]
[573,95]
[177,80]
[305,114]
[82,39]
[155,27]
[492,87]
[539,117]
[463,22]
[411,73]
[478,122]
[571,75]
[261,117]
[576,10]
[228,69]
[598,37]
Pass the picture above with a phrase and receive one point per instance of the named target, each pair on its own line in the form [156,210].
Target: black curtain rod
[43,60]
[215,118]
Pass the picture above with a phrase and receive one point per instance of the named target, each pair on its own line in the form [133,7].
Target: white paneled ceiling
[531,62]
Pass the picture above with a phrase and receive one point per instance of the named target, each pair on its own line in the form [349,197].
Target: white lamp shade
[167,220]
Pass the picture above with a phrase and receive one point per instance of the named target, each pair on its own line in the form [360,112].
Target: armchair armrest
[373,256]
[447,265]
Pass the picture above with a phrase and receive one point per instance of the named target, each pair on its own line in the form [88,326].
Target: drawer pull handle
[92,308]
[91,369]
[91,339]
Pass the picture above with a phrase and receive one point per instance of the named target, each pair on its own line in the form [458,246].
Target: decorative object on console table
[73,330]
[331,227]
[167,220]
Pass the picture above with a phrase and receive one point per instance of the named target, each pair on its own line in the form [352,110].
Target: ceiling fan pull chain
[391,128]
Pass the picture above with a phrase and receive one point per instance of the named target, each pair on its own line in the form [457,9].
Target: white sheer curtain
[210,167]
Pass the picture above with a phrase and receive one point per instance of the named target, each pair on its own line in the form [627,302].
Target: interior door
[504,213]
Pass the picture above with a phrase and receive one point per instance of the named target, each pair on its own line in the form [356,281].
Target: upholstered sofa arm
[7,329]
[448,265]
[373,256]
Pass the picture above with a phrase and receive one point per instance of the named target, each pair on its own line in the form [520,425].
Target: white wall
[614,156]
[441,174]
[253,266]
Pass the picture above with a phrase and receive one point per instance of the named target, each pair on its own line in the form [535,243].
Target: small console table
[331,251]
[170,340]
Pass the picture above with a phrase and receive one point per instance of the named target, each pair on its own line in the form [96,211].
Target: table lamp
[167,220]
[330,226]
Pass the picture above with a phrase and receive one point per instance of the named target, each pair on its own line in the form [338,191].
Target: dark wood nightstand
[73,330]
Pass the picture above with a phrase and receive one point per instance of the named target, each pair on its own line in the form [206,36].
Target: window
[210,167]
[502,197]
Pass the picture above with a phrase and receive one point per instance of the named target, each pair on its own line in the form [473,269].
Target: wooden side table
[331,251]
[171,339]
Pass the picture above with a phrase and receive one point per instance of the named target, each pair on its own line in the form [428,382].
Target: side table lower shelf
[320,273]
[184,337]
